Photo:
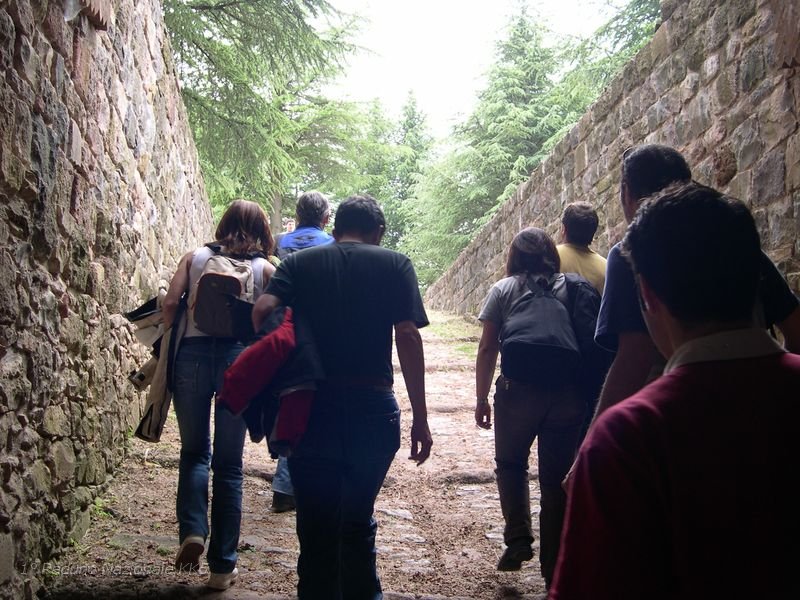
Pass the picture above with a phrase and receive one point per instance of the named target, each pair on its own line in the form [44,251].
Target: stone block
[61,460]
[7,38]
[7,557]
[769,178]
[699,114]
[739,12]
[56,422]
[725,88]
[717,29]
[21,14]
[8,295]
[740,187]
[27,62]
[580,158]
[57,31]
[16,388]
[710,68]
[82,520]
[777,116]
[748,144]
[689,87]
[691,55]
[793,163]
[780,219]
[699,12]
[724,162]
[678,27]
[37,479]
[752,68]
[74,148]
[660,79]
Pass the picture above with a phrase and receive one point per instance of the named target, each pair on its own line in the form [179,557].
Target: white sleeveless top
[199,259]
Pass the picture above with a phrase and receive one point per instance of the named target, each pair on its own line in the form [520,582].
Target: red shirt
[687,489]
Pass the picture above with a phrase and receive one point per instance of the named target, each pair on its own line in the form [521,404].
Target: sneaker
[513,557]
[188,558]
[222,581]
[281,502]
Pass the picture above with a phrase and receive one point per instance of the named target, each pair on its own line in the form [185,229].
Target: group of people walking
[655,370]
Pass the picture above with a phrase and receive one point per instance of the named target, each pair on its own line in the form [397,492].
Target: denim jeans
[199,368]
[521,414]
[337,470]
[282,481]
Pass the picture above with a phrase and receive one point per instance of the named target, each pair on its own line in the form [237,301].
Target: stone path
[440,527]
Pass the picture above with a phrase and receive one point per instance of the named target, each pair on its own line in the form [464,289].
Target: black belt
[377,384]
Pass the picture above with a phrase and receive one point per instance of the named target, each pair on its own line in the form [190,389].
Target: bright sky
[442,49]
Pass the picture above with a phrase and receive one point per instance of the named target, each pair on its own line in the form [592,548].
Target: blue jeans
[282,481]
[337,470]
[521,414]
[199,368]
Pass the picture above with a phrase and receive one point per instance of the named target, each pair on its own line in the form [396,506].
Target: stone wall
[100,193]
[720,81]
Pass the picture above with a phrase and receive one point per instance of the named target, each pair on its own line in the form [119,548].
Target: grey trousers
[523,413]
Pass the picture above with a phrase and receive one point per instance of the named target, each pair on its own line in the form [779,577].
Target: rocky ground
[440,527]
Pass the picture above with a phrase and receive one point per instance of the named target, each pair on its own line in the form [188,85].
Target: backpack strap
[555,285]
[257,264]
[199,260]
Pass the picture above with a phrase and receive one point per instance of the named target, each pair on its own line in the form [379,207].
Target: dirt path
[440,527]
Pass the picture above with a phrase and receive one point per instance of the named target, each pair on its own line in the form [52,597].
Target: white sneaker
[222,581]
[188,558]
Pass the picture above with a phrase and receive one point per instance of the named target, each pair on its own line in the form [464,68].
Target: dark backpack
[537,340]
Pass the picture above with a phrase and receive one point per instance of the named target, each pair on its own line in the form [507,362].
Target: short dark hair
[699,251]
[359,214]
[649,169]
[532,251]
[311,210]
[580,223]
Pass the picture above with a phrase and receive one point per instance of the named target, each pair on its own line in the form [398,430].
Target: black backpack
[537,340]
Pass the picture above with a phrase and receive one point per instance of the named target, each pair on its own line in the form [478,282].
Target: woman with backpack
[527,318]
[236,262]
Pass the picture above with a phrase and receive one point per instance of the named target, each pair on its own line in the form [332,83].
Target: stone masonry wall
[100,194]
[720,81]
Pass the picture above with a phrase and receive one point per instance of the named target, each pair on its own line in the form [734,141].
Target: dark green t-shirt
[351,295]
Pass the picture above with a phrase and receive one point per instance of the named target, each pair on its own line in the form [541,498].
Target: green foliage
[241,64]
[593,63]
[533,97]
[506,127]
[412,148]
[379,157]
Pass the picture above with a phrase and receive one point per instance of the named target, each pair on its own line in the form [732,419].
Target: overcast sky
[441,49]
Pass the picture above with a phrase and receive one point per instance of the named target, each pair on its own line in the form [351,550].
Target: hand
[421,442]
[567,477]
[483,414]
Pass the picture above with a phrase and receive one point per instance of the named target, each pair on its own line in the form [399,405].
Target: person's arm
[265,304]
[485,363]
[177,286]
[269,271]
[790,328]
[636,356]
[635,359]
[412,363]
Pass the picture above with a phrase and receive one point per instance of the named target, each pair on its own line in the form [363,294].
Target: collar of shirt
[582,249]
[725,345]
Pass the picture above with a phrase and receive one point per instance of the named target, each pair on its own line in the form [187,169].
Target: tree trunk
[275,221]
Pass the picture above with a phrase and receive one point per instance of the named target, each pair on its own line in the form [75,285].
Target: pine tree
[239,63]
